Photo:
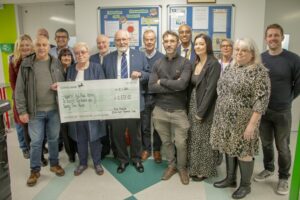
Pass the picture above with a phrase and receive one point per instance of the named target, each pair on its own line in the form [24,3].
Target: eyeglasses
[237,50]
[121,39]
[61,37]
[82,52]
[227,46]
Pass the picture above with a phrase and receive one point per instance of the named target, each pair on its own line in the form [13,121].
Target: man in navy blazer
[103,47]
[137,68]
[186,48]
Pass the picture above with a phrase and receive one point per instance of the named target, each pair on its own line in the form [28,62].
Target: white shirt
[80,75]
[119,63]
[182,52]
[149,56]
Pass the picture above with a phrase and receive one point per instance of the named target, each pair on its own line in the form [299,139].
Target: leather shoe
[157,156]
[184,177]
[145,155]
[170,171]
[139,167]
[198,179]
[122,168]
[99,170]
[31,181]
[79,170]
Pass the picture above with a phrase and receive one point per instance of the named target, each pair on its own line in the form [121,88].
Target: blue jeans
[21,137]
[276,126]
[44,123]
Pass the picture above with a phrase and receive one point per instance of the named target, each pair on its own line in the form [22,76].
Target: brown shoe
[57,170]
[170,171]
[31,181]
[184,177]
[145,155]
[157,156]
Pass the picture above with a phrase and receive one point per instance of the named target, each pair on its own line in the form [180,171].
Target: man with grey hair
[152,55]
[37,105]
[103,47]
[169,82]
[45,33]
[121,64]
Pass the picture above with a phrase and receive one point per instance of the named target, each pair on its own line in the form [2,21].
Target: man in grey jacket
[37,105]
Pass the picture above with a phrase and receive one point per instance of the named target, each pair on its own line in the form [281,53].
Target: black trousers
[107,142]
[118,135]
[146,126]
[276,126]
[70,144]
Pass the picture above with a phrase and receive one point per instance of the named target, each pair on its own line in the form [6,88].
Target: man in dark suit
[136,67]
[103,47]
[186,48]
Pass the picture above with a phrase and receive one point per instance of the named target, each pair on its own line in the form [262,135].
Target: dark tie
[186,53]
[124,70]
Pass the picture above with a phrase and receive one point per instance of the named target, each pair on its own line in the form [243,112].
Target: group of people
[196,107]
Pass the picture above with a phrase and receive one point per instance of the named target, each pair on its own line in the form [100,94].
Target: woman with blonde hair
[23,47]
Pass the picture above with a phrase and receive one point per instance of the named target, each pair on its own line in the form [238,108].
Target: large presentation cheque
[98,99]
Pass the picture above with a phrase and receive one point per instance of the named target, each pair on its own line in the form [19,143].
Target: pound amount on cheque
[123,97]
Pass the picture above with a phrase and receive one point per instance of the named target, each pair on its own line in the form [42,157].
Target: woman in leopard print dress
[243,96]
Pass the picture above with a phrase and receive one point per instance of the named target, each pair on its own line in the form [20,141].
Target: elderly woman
[203,88]
[66,58]
[243,96]
[226,47]
[86,132]
[23,47]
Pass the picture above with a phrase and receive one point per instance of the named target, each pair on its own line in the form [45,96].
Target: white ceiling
[32,1]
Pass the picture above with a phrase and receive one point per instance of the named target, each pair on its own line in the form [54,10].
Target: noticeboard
[136,20]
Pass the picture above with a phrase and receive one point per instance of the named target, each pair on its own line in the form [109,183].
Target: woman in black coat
[202,98]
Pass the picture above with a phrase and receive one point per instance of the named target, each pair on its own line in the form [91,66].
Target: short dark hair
[274,26]
[62,30]
[171,33]
[66,51]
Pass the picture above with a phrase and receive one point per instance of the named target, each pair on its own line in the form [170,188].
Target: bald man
[186,47]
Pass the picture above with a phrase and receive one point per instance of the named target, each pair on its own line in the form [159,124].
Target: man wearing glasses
[61,38]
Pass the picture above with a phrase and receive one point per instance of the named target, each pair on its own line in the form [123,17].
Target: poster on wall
[213,20]
[133,19]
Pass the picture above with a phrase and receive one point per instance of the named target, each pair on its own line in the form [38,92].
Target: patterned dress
[202,159]
[241,91]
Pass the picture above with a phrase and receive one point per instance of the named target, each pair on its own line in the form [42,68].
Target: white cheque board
[98,100]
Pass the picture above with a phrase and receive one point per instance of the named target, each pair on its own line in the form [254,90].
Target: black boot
[246,168]
[230,180]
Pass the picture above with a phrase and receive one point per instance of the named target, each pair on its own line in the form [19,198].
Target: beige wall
[287,14]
